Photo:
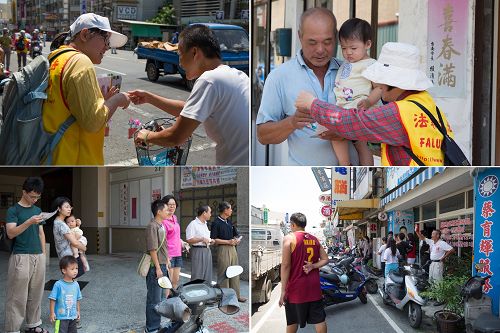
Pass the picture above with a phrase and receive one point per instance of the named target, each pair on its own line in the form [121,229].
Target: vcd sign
[127,12]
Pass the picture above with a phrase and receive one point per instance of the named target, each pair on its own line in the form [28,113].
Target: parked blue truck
[234,46]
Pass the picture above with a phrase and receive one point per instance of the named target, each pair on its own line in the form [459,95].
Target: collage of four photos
[249,166]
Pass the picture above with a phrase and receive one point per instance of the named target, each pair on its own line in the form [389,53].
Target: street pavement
[114,300]
[346,317]
[118,149]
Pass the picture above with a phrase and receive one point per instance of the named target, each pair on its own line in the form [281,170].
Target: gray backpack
[23,141]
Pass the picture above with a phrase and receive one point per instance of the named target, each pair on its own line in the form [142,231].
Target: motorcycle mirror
[164,282]
[233,271]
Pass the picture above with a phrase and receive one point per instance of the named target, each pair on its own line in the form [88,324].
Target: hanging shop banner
[207,176]
[457,232]
[341,185]
[447,47]
[487,231]
[398,219]
[322,179]
[124,204]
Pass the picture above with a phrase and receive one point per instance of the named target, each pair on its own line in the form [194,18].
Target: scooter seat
[330,277]
[486,323]
[396,278]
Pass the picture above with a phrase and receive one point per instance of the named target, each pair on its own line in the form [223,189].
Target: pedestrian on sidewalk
[226,236]
[391,256]
[301,293]
[174,241]
[74,91]
[6,43]
[412,254]
[64,239]
[26,270]
[158,250]
[440,250]
[65,298]
[381,251]
[198,236]
[22,46]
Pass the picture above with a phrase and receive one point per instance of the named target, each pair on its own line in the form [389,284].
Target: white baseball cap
[398,66]
[91,20]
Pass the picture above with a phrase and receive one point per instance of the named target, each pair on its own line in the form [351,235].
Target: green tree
[166,15]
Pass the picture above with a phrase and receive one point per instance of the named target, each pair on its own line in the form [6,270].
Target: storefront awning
[426,174]
[354,209]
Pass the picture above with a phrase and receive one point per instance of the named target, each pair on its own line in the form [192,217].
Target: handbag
[5,242]
[145,263]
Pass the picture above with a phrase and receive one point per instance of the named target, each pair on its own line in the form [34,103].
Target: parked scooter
[400,290]
[371,279]
[477,305]
[342,283]
[190,301]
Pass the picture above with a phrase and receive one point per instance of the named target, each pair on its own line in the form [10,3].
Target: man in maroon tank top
[303,255]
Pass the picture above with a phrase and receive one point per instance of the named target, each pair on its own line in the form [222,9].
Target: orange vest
[77,146]
[425,138]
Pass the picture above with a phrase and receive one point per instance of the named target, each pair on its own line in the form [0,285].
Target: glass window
[452,203]
[429,211]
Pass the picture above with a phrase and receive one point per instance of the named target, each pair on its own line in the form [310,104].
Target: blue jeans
[153,319]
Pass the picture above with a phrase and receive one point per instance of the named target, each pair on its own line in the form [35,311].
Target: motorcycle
[190,301]
[477,305]
[371,279]
[400,290]
[342,283]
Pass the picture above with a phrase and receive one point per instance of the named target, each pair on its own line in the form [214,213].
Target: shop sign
[322,179]
[454,232]
[372,228]
[363,183]
[325,198]
[124,204]
[326,210]
[447,47]
[127,13]
[341,185]
[207,176]
[395,176]
[486,231]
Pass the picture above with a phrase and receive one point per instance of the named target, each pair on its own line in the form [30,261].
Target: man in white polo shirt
[440,250]
[198,236]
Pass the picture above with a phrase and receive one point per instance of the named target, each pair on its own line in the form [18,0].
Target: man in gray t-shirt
[220,100]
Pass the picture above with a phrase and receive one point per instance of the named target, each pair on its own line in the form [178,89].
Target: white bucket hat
[91,20]
[398,66]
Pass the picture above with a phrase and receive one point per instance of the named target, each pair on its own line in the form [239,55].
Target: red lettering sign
[486,268]
[487,228]
[487,209]
[486,246]
[420,120]
[487,286]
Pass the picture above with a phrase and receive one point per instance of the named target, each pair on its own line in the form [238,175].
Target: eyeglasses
[34,197]
[104,35]
[171,205]
[67,207]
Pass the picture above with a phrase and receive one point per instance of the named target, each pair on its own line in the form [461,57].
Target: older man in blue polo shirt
[313,69]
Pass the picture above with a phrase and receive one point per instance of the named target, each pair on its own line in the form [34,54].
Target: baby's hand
[78,222]
[363,104]
[304,101]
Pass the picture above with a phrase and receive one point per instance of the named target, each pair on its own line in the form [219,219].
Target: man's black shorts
[302,313]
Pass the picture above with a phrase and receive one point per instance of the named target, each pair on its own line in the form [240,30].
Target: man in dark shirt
[226,237]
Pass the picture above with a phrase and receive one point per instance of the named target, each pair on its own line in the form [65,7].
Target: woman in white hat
[74,97]
[401,126]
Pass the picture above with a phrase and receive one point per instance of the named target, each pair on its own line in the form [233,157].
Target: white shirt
[381,251]
[220,100]
[438,249]
[389,258]
[195,229]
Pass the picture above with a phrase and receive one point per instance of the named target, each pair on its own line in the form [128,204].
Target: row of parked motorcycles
[347,277]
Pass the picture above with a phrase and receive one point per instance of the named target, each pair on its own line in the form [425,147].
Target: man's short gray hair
[320,12]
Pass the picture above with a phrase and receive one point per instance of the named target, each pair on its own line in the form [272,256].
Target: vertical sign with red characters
[487,231]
